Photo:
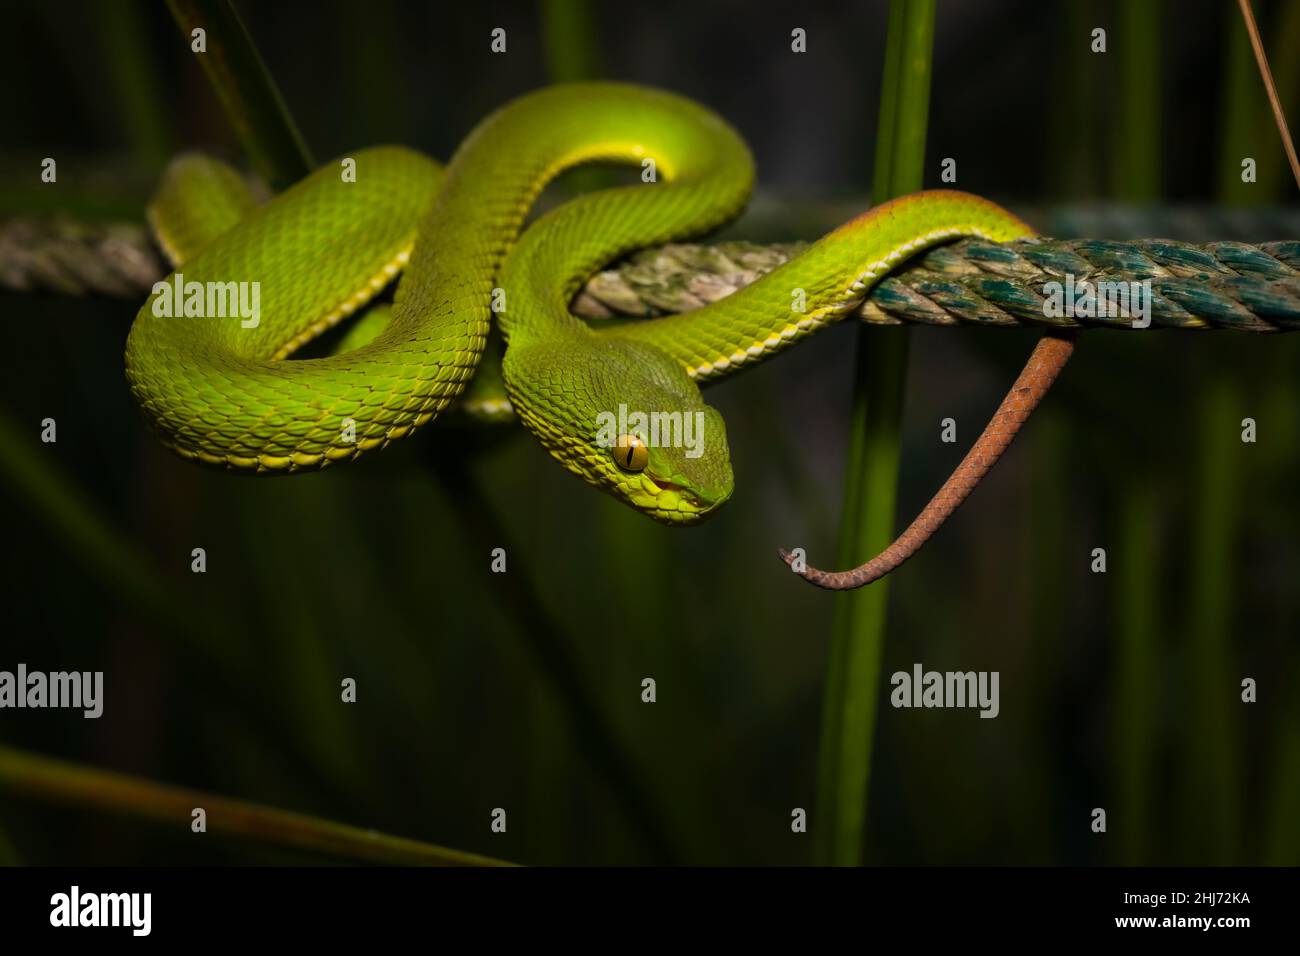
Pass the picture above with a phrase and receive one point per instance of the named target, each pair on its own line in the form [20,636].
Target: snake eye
[630,453]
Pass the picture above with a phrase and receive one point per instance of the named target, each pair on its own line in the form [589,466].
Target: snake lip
[699,504]
[664,485]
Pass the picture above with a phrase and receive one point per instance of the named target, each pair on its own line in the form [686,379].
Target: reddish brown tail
[1045,363]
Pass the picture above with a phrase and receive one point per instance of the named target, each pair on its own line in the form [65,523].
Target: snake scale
[229,393]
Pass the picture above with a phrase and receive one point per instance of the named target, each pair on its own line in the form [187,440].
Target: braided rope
[1223,285]
[1226,285]
[74,258]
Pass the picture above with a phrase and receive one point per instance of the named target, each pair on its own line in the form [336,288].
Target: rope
[1225,285]
[1221,285]
[74,258]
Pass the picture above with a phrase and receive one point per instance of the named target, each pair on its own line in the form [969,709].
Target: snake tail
[1040,371]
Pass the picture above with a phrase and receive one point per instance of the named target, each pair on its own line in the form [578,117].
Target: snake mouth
[677,504]
[684,493]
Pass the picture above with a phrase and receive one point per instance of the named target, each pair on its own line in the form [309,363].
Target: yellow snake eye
[630,453]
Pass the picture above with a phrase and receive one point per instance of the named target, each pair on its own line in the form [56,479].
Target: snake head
[625,417]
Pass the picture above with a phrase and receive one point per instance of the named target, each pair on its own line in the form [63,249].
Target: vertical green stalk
[249,96]
[1136,668]
[1211,751]
[1240,113]
[1211,801]
[570,37]
[1051,529]
[1135,177]
[1073,171]
[871,482]
[122,28]
[1281,844]
[571,46]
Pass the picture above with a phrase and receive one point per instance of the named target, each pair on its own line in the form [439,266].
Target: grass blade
[1136,178]
[46,779]
[871,481]
[248,95]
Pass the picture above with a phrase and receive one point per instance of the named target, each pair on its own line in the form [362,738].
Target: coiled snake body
[225,392]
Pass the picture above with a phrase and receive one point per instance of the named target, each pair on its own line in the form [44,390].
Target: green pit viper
[223,394]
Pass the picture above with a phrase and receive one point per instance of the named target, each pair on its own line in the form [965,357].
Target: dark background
[1118,690]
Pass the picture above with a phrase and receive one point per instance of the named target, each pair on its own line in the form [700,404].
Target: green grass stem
[871,481]
[1135,173]
[44,779]
[249,96]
